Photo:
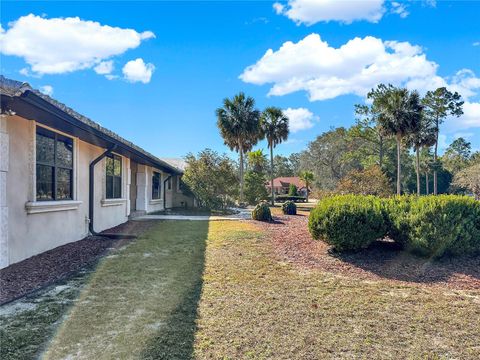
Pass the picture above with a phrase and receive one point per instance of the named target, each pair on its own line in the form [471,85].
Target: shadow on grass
[175,337]
[388,260]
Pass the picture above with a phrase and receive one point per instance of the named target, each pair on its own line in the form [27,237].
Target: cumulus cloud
[325,72]
[63,45]
[47,90]
[300,119]
[310,12]
[104,67]
[137,71]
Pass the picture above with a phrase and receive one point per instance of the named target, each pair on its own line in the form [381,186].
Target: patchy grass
[27,324]
[255,307]
[142,300]
[212,290]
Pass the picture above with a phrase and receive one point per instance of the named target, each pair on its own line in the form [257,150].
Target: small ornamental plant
[289,208]
[261,212]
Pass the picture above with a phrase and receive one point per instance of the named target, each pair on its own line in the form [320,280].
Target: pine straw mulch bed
[31,274]
[383,260]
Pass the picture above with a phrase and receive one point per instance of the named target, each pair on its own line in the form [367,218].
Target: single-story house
[63,176]
[281,185]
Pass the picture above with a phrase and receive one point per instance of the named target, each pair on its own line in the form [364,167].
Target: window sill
[36,207]
[113,202]
[156,201]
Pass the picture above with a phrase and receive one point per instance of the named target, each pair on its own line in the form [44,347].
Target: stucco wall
[32,233]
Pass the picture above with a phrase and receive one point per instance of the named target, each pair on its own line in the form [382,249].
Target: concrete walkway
[243,214]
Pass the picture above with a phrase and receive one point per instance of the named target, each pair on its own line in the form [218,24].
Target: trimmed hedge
[430,226]
[289,208]
[348,222]
[438,225]
[261,212]
[282,198]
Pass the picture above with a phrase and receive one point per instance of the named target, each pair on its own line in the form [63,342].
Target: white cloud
[62,45]
[325,72]
[476,43]
[138,71]
[310,12]
[399,9]
[104,67]
[465,135]
[300,119]
[47,90]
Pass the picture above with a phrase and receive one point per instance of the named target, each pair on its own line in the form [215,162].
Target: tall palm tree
[274,127]
[239,124]
[308,177]
[424,137]
[399,115]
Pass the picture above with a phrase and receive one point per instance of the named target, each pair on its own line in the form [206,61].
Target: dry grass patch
[256,307]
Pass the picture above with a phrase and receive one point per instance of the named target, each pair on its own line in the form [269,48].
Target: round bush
[348,222]
[289,208]
[262,212]
[445,224]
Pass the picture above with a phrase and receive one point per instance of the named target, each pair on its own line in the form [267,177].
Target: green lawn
[214,290]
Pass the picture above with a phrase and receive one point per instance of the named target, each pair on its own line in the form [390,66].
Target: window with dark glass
[169,183]
[114,177]
[156,185]
[54,161]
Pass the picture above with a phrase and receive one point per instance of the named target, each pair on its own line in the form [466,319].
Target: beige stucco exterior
[29,227]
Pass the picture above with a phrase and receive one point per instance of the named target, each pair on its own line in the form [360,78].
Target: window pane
[117,166]
[45,148]
[156,186]
[109,165]
[117,187]
[64,184]
[109,188]
[44,182]
[65,153]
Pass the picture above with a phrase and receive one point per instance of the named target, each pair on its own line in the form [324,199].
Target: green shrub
[262,212]
[292,190]
[396,212]
[348,222]
[445,224]
[289,208]
[282,198]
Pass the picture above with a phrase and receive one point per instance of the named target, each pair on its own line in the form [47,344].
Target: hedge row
[430,226]
[282,198]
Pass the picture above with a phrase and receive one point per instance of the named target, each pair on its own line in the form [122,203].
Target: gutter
[91,198]
[33,99]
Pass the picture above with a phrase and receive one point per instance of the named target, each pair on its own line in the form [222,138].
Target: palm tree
[423,137]
[239,124]
[438,105]
[257,161]
[274,127]
[308,177]
[399,115]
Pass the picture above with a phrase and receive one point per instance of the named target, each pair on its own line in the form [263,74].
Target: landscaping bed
[382,260]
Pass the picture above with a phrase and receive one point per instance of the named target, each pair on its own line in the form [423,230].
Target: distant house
[281,185]
[63,176]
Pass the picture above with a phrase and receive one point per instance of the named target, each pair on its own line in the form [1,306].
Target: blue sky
[168,75]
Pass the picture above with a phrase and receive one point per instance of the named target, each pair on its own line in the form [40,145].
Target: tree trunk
[417,164]
[427,185]
[435,156]
[381,152]
[306,183]
[241,174]
[271,174]
[399,169]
